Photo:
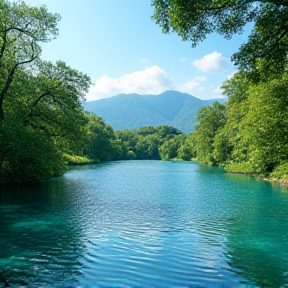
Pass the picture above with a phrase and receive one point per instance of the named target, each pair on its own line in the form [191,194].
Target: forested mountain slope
[132,111]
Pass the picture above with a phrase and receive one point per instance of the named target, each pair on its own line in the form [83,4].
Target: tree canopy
[194,20]
[150,142]
[41,113]
[22,30]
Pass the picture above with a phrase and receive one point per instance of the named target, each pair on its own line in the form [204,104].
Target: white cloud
[183,59]
[144,60]
[193,86]
[213,62]
[152,80]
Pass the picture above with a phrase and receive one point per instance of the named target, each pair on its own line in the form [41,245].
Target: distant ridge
[132,111]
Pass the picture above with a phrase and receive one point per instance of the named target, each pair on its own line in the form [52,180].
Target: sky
[123,50]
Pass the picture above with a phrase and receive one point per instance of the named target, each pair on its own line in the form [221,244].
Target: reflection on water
[145,223]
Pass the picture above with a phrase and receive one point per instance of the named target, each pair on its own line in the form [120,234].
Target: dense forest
[43,126]
[157,143]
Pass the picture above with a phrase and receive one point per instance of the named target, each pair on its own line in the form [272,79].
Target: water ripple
[145,224]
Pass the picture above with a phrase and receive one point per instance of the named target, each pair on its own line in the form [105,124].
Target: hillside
[131,111]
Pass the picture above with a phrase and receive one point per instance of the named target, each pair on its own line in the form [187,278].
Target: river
[145,223]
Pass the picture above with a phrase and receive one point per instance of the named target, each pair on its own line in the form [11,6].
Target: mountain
[132,111]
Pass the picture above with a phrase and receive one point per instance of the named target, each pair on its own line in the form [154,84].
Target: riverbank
[278,175]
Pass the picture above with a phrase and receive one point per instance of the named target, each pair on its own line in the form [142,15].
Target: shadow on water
[257,240]
[257,229]
[40,233]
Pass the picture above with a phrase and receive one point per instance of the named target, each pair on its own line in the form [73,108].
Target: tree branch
[37,101]
[283,34]
[43,128]
[4,45]
[9,81]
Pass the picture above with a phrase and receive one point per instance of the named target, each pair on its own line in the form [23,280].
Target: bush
[244,167]
[78,160]
[280,172]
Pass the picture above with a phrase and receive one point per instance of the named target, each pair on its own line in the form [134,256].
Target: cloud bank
[193,86]
[152,80]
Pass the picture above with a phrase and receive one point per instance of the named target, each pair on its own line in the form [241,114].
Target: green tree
[100,141]
[227,138]
[128,140]
[144,143]
[147,147]
[41,116]
[265,125]
[210,118]
[169,149]
[28,156]
[194,20]
[187,151]
[166,131]
[22,30]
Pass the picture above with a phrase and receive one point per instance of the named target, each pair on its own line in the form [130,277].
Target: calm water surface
[145,223]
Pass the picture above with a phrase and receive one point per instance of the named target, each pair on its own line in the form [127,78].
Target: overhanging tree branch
[9,81]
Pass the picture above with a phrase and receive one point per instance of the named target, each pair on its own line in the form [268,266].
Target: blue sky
[124,51]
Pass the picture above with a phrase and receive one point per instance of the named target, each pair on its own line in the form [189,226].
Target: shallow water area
[145,223]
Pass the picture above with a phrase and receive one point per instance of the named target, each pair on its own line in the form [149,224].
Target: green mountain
[132,111]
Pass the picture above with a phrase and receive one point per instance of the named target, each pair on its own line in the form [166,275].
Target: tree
[264,129]
[227,138]
[147,147]
[194,20]
[166,131]
[129,140]
[145,142]
[169,149]
[54,99]
[187,151]
[41,113]
[100,141]
[27,155]
[211,118]
[22,29]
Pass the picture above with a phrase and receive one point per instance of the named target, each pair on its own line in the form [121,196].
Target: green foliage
[149,142]
[249,133]
[243,167]
[264,127]
[147,147]
[28,156]
[22,30]
[41,114]
[194,20]
[131,155]
[169,149]
[211,119]
[280,172]
[100,141]
[78,160]
[187,151]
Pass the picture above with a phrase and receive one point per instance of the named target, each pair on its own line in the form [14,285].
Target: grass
[79,160]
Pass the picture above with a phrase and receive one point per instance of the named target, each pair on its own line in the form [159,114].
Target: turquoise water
[145,223]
